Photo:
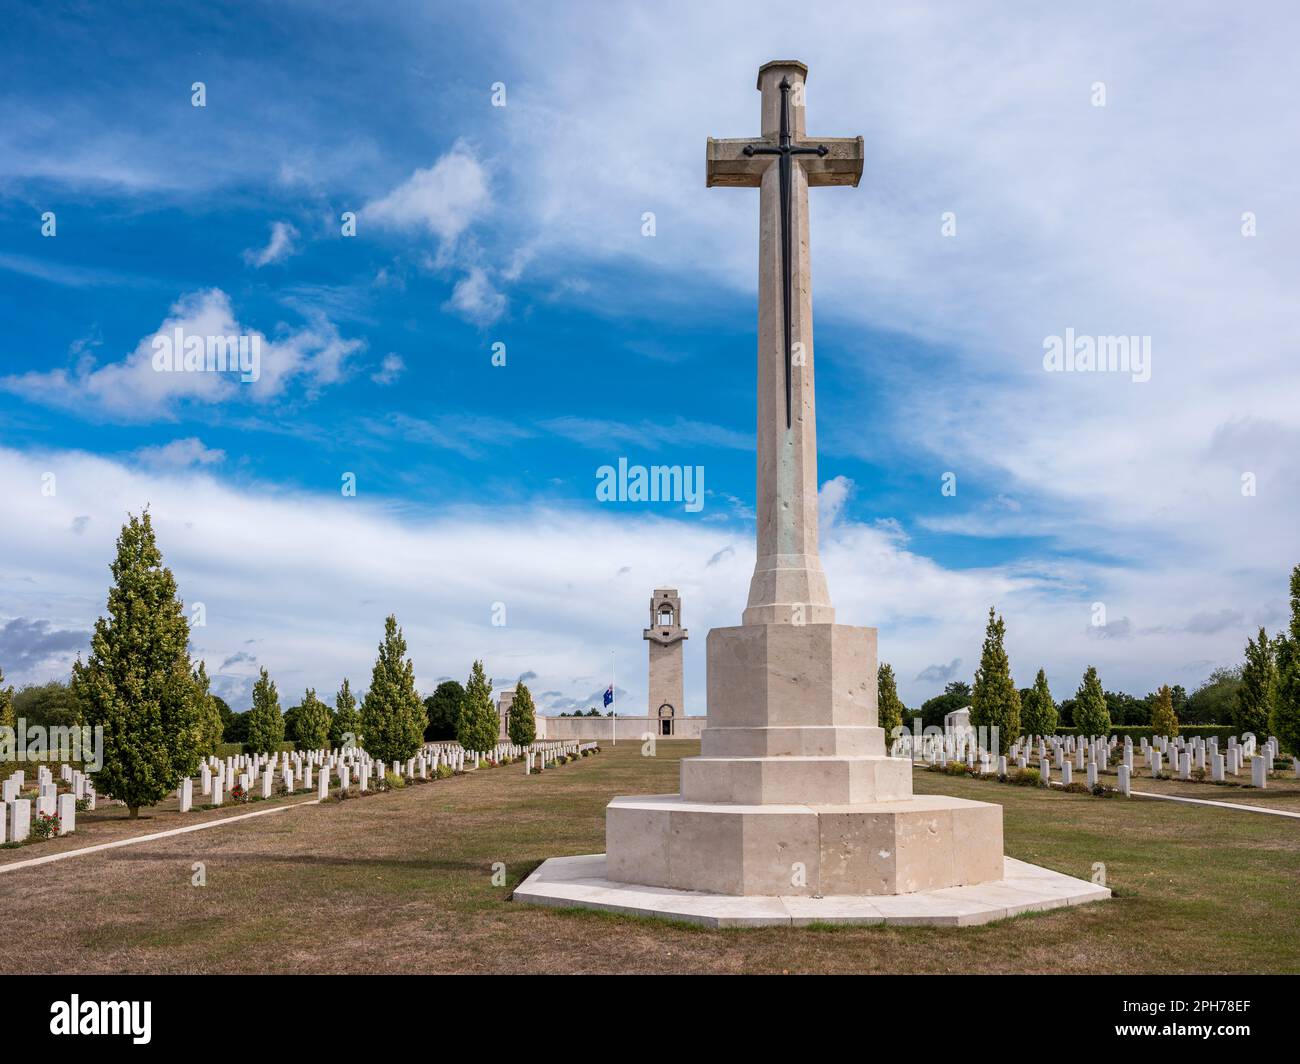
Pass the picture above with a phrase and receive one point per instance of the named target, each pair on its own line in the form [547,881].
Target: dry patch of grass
[403,882]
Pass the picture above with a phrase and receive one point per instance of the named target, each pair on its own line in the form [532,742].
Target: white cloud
[389,369]
[476,299]
[133,390]
[831,498]
[444,199]
[278,248]
[313,604]
[180,454]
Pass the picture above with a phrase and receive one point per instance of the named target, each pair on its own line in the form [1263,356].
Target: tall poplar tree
[1091,716]
[209,727]
[392,715]
[6,704]
[889,707]
[1254,702]
[995,702]
[522,725]
[1038,715]
[312,728]
[265,721]
[1285,716]
[1163,719]
[479,724]
[345,725]
[138,684]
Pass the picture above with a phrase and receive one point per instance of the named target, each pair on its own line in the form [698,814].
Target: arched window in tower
[665,615]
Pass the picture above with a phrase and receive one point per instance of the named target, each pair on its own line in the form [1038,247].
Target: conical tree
[1285,715]
[1091,717]
[995,702]
[265,721]
[1254,702]
[522,725]
[392,715]
[345,725]
[138,684]
[1038,715]
[889,707]
[6,704]
[209,727]
[1163,719]
[312,728]
[479,724]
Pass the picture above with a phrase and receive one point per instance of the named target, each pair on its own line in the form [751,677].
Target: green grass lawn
[404,882]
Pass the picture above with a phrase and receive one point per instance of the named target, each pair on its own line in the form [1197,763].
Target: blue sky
[522,225]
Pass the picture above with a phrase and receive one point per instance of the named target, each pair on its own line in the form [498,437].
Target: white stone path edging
[1221,805]
[1206,801]
[154,835]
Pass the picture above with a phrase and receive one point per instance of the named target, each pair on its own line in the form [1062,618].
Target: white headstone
[186,793]
[1124,775]
[20,819]
[1259,771]
[67,814]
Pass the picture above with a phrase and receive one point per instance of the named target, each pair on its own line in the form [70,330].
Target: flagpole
[613,699]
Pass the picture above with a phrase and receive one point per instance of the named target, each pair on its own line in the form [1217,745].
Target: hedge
[225,750]
[1139,732]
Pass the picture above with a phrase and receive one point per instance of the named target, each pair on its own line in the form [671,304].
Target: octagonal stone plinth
[801,780]
[873,848]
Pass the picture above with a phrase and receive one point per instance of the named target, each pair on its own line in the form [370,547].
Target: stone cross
[789,585]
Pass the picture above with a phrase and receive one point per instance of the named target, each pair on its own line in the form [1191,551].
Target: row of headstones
[1081,753]
[16,823]
[540,754]
[296,769]
[1184,755]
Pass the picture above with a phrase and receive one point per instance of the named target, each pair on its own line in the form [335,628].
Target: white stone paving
[580,881]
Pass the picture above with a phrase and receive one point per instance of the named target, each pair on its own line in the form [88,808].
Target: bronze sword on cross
[784,149]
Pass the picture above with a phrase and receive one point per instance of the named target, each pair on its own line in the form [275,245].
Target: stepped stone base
[867,848]
[582,882]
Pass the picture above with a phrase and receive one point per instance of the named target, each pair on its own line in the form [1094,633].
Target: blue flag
[609,694]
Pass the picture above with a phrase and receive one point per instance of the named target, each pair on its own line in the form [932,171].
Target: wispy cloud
[132,389]
[277,249]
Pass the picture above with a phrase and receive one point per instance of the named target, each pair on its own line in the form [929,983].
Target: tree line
[160,719]
[1261,696]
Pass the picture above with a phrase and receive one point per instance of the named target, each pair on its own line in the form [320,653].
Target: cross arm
[726,163]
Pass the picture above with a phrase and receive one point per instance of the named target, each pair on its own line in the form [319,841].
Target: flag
[609,694]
